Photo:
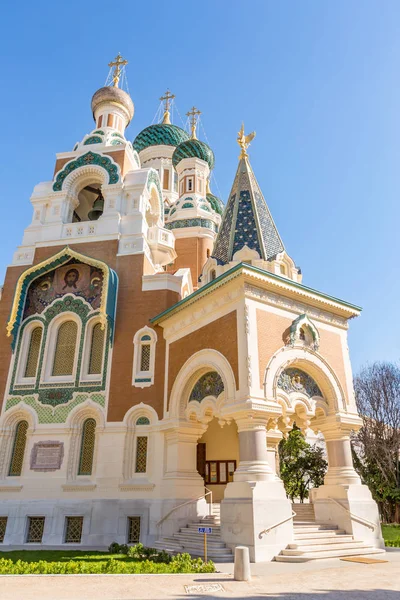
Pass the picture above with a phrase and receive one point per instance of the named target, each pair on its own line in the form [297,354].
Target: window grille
[96,350]
[87,447]
[64,355]
[141,454]
[3,527]
[33,352]
[73,530]
[18,451]
[145,357]
[133,530]
[35,530]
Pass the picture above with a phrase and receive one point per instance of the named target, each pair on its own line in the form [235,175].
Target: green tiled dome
[216,203]
[160,135]
[193,149]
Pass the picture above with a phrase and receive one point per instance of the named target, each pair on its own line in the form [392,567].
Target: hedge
[182,563]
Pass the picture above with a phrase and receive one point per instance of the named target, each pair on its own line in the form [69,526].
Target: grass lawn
[391,533]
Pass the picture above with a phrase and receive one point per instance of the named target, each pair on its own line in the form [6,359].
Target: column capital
[338,426]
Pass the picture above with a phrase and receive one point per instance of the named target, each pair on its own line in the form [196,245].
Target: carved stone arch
[83,176]
[153,186]
[75,421]
[90,158]
[8,423]
[197,365]
[140,411]
[312,364]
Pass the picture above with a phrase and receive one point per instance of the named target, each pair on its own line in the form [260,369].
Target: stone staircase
[187,539]
[315,541]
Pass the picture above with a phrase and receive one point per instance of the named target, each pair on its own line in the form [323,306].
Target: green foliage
[391,535]
[302,466]
[182,563]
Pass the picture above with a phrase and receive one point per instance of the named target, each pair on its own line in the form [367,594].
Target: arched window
[96,350]
[18,451]
[87,447]
[32,359]
[141,454]
[144,357]
[145,348]
[64,355]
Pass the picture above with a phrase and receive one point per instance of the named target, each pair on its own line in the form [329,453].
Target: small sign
[47,456]
[205,529]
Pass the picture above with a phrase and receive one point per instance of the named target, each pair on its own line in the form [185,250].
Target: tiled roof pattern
[246,220]
[193,149]
[161,134]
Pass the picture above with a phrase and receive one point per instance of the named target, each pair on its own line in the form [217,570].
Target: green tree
[302,466]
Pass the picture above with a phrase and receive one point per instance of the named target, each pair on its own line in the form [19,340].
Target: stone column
[340,461]
[254,464]
[342,500]
[274,436]
[256,499]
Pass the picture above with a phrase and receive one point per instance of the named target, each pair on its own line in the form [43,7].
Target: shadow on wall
[375,594]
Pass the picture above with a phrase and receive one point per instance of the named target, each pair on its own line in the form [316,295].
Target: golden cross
[118,62]
[168,97]
[193,114]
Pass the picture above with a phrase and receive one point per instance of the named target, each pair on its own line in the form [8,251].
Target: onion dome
[113,95]
[216,203]
[161,134]
[193,148]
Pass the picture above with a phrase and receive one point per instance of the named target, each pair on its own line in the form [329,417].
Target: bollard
[242,564]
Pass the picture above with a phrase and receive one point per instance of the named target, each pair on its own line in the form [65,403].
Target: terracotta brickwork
[272,332]
[119,156]
[192,254]
[135,308]
[220,335]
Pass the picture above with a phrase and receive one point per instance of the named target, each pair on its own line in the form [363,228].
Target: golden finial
[193,115]
[167,97]
[118,62]
[244,141]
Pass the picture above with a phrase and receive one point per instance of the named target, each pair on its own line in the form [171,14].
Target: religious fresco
[210,384]
[295,380]
[75,278]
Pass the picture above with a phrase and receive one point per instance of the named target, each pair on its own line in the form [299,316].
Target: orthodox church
[156,347]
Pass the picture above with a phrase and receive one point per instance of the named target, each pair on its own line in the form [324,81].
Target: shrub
[182,563]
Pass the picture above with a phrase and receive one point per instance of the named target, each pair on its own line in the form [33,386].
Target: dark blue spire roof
[246,220]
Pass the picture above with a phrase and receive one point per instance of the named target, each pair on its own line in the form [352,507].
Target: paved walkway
[326,580]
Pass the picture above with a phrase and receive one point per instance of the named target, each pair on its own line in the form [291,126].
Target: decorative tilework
[159,134]
[187,205]
[143,421]
[216,203]
[93,139]
[116,143]
[117,135]
[209,384]
[193,149]
[90,158]
[99,131]
[295,380]
[56,414]
[195,222]
[246,220]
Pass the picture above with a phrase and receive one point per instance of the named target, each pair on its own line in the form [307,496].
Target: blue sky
[318,81]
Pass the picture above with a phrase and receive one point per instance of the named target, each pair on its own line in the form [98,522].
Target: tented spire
[246,220]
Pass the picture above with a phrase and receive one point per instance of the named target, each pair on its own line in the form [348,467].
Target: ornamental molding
[79,487]
[11,488]
[136,487]
[90,158]
[289,304]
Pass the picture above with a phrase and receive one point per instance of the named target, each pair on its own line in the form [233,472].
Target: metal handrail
[353,516]
[209,493]
[277,525]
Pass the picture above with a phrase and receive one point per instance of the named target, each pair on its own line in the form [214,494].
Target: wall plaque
[47,456]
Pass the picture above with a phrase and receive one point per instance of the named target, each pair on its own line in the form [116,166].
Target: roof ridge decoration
[247,219]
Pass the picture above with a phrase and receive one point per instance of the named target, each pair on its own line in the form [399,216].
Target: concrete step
[314,527]
[334,539]
[363,551]
[300,550]
[317,534]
